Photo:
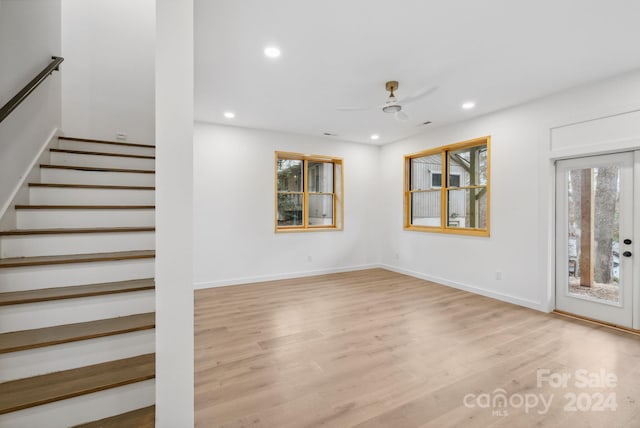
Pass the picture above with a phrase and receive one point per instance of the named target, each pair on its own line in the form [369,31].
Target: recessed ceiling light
[229,114]
[272,51]
[375,136]
[468,105]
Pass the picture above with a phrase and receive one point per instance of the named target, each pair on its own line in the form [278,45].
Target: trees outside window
[458,205]
[308,192]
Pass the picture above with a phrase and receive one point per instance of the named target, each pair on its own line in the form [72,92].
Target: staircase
[77,320]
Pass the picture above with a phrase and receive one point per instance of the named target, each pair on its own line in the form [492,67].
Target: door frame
[634,288]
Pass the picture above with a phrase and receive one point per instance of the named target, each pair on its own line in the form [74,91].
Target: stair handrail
[14,102]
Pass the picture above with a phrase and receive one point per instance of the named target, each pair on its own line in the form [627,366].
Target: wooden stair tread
[68,231]
[115,143]
[139,418]
[36,338]
[75,258]
[92,186]
[75,291]
[84,152]
[84,207]
[37,390]
[96,168]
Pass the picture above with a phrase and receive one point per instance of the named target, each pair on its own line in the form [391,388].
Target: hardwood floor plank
[72,231]
[379,349]
[140,418]
[37,390]
[117,143]
[75,258]
[40,337]
[75,291]
[93,153]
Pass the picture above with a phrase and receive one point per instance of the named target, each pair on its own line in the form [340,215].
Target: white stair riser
[58,158]
[35,277]
[84,408]
[57,312]
[72,176]
[48,359]
[105,148]
[81,243]
[74,196]
[45,218]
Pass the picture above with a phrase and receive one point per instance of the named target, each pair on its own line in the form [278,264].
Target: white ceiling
[340,52]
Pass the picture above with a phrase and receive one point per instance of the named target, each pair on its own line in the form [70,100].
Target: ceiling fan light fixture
[392,108]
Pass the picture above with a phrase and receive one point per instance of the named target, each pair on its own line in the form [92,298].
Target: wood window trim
[338,193]
[444,228]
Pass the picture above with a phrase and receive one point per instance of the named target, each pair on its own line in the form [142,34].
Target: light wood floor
[379,349]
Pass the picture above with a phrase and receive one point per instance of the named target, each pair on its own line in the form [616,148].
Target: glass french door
[594,237]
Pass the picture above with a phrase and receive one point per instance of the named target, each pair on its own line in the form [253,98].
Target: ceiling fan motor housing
[392,106]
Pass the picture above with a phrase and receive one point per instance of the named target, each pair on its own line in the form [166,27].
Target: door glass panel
[594,233]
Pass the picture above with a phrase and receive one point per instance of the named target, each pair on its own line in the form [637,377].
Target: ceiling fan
[393,105]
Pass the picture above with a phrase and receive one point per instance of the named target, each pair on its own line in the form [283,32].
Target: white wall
[235,240]
[521,242]
[108,84]
[174,214]
[29,37]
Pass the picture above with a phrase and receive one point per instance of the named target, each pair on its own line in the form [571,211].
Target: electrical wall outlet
[498,275]
[309,258]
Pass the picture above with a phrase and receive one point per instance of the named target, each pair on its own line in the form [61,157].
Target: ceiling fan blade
[347,108]
[418,95]
[401,116]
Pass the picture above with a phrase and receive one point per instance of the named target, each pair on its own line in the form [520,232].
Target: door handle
[627,254]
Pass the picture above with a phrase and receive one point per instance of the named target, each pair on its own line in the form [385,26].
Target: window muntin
[436,180]
[308,192]
[461,205]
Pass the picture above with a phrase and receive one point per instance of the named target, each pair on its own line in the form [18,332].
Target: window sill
[449,231]
[308,229]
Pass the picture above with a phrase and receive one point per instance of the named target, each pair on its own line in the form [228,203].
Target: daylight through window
[459,204]
[308,192]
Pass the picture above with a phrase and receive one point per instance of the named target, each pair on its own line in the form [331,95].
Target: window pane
[425,209]
[470,164]
[426,172]
[320,210]
[320,177]
[289,209]
[467,208]
[289,175]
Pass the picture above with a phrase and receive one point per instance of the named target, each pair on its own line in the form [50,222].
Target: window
[436,180]
[461,205]
[308,192]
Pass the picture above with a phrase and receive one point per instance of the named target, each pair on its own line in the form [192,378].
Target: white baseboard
[275,277]
[531,304]
[29,174]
